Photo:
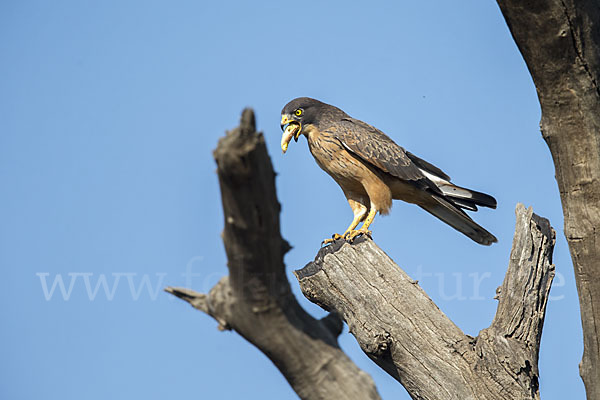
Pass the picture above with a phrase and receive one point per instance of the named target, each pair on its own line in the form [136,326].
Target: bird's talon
[352,235]
[334,237]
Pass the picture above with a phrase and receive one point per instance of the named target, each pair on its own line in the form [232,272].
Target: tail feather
[467,205]
[466,198]
[467,195]
[449,213]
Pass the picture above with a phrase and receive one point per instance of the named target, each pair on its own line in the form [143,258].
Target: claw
[334,237]
[353,234]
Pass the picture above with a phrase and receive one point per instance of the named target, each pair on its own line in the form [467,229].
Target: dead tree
[255,300]
[560,42]
[400,328]
[394,321]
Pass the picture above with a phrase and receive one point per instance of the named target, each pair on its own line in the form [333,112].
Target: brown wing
[376,148]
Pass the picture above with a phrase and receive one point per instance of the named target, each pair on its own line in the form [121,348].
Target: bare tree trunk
[255,299]
[560,42]
[405,333]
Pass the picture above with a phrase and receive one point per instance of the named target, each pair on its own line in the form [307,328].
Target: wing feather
[419,162]
[376,148]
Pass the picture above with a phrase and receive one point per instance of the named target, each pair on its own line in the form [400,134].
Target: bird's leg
[364,229]
[354,224]
[359,211]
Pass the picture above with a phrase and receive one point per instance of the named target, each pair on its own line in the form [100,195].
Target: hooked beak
[291,129]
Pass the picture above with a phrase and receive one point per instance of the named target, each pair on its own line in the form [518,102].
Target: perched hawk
[372,170]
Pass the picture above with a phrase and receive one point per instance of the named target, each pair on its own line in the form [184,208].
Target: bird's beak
[291,129]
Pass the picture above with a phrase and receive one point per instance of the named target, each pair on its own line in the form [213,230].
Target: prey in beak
[291,129]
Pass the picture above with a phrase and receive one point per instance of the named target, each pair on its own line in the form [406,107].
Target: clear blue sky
[109,111]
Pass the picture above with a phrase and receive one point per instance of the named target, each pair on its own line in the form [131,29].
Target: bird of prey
[372,170]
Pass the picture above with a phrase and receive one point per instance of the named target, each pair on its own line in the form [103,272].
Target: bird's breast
[333,158]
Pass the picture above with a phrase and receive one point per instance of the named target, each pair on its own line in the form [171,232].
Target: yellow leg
[355,222]
[336,236]
[364,229]
[359,211]
[369,220]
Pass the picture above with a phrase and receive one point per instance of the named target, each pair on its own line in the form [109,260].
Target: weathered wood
[560,42]
[255,300]
[400,328]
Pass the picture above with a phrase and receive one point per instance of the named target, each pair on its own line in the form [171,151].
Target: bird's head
[296,116]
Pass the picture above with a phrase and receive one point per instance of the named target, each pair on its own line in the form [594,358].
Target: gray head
[302,112]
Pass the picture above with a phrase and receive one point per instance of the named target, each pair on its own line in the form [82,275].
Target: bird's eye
[298,112]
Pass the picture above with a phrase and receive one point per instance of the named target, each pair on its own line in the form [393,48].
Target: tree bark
[255,299]
[560,42]
[400,328]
